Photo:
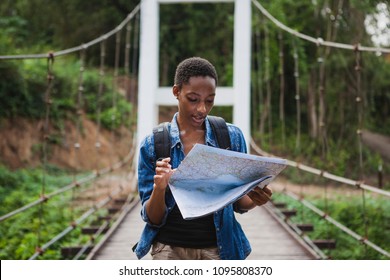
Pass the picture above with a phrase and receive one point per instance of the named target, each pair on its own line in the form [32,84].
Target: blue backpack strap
[162,141]
[221,132]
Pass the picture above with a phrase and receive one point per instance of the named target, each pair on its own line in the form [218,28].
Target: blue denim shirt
[231,240]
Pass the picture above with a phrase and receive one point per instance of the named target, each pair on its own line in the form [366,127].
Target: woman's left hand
[260,196]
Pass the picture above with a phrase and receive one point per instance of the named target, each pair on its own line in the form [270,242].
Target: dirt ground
[21,145]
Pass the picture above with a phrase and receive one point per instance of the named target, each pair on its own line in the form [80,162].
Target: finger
[254,195]
[258,196]
[258,199]
[168,159]
[267,190]
[160,170]
[163,164]
[263,192]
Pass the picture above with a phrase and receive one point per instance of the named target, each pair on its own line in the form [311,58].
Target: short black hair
[194,67]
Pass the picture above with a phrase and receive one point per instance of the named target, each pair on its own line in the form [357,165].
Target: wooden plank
[325,243]
[269,240]
[119,246]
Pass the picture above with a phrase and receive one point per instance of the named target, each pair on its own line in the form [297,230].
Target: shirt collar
[175,133]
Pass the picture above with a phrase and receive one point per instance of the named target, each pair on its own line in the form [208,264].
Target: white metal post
[148,68]
[150,95]
[242,66]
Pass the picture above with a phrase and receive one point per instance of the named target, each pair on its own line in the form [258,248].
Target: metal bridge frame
[151,95]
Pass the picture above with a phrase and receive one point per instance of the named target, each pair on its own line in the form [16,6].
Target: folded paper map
[210,178]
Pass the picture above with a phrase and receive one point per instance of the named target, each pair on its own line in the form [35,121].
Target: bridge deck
[268,238]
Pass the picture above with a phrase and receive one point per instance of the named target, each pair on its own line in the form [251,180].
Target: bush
[23,87]
[37,225]
[349,212]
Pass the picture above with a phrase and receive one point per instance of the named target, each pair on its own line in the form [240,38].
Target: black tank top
[195,233]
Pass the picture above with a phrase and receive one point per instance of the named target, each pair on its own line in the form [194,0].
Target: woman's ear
[175,91]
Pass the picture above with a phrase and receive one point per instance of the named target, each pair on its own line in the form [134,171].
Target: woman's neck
[191,137]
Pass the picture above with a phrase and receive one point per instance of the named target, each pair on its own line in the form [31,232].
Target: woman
[218,235]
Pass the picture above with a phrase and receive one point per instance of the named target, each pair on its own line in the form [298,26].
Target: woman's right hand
[163,173]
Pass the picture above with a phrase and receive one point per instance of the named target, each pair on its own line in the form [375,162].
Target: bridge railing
[100,204]
[90,180]
[299,197]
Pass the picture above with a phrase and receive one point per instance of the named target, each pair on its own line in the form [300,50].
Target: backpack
[162,139]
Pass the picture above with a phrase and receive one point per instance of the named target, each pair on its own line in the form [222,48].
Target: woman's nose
[201,108]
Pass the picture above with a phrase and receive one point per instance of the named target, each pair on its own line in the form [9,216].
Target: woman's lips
[198,120]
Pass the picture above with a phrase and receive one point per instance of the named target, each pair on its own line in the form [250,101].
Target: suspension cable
[297,97]
[134,67]
[46,125]
[76,223]
[266,112]
[79,182]
[317,41]
[268,83]
[339,179]
[325,216]
[282,88]
[254,66]
[99,101]
[79,48]
[360,105]
[258,83]
[46,131]
[325,174]
[79,121]
[114,93]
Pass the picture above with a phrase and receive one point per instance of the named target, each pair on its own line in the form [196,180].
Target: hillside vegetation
[340,93]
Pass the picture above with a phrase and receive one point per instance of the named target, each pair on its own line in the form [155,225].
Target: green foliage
[349,211]
[22,233]
[63,24]
[15,184]
[13,92]
[340,153]
[180,38]
[112,118]
[101,104]
[225,112]
[18,188]
[12,32]
[22,90]
[60,24]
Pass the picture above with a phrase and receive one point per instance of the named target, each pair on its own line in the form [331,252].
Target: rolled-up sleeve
[146,172]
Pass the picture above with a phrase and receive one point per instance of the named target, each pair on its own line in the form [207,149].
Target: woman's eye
[210,101]
[192,99]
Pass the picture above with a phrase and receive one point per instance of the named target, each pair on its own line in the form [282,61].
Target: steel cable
[78,48]
[317,41]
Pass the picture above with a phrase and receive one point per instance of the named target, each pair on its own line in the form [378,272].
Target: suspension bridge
[110,219]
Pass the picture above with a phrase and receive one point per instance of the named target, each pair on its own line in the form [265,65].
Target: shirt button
[178,146]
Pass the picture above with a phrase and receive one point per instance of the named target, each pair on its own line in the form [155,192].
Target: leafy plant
[373,217]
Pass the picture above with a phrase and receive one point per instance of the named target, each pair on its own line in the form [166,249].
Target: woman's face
[196,99]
